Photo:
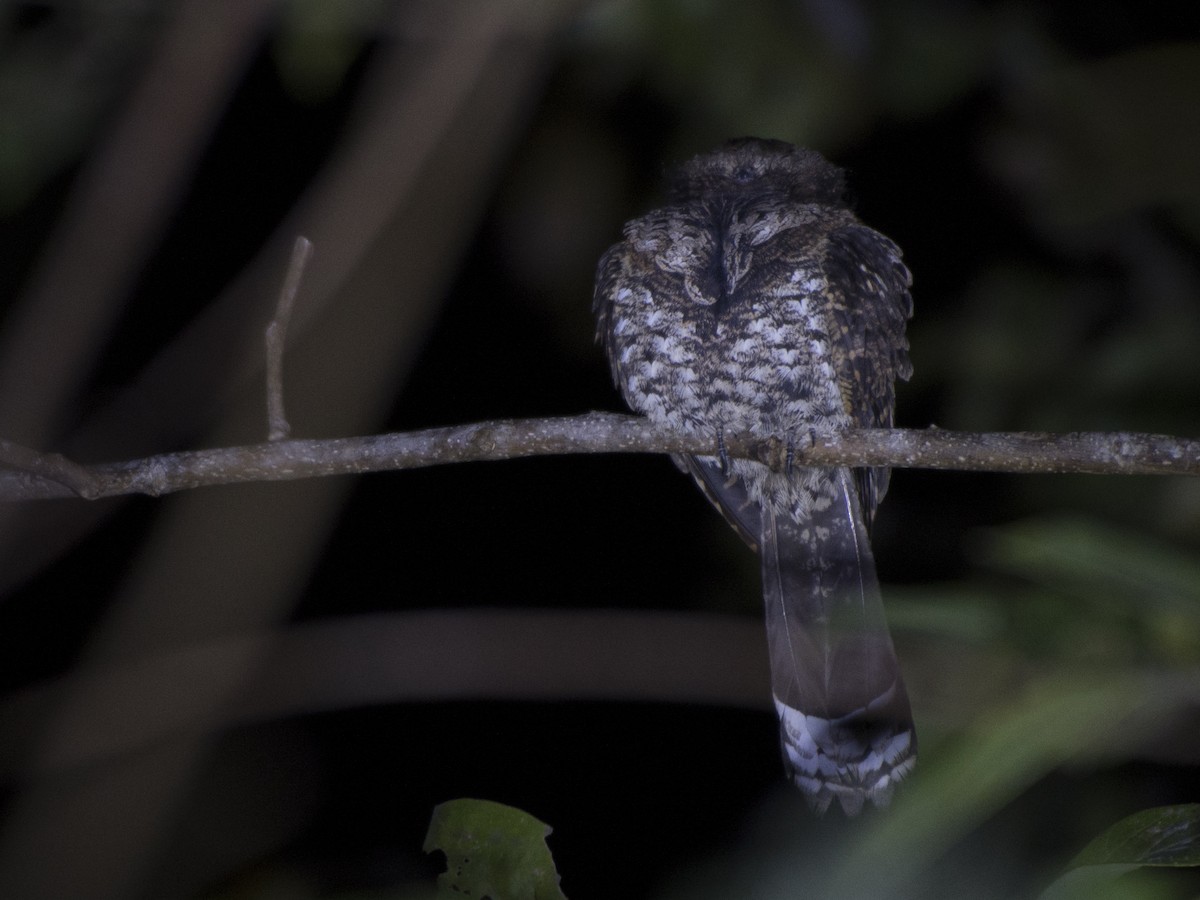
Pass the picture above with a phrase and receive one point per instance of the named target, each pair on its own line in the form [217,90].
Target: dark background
[460,167]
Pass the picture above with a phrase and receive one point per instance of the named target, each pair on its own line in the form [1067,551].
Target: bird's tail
[845,724]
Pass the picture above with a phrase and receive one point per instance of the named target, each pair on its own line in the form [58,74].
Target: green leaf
[492,850]
[1163,836]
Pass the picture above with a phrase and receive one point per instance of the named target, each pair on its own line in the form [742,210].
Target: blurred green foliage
[317,42]
[62,70]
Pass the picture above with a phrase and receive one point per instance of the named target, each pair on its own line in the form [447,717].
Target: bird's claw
[722,453]
[792,444]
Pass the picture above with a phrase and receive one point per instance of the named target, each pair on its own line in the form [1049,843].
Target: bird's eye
[743,174]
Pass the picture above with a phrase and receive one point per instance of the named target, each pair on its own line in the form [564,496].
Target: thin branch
[52,469]
[34,475]
[276,337]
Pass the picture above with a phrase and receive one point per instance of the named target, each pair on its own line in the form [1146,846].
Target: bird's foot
[722,452]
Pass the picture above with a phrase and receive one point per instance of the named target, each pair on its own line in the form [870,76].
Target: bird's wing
[871,304]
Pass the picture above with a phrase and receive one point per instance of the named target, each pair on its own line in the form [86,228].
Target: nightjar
[756,303]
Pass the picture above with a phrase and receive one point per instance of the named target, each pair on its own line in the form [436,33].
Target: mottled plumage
[757,303]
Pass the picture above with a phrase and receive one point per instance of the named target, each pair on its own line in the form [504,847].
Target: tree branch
[29,475]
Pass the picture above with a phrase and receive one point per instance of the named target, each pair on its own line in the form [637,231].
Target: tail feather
[845,723]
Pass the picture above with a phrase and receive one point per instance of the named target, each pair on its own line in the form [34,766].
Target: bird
[755,303]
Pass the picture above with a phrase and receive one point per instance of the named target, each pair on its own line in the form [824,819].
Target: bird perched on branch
[756,303]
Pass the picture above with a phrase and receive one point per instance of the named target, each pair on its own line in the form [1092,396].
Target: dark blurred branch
[32,475]
[346,662]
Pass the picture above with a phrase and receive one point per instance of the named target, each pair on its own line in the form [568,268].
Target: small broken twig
[276,337]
